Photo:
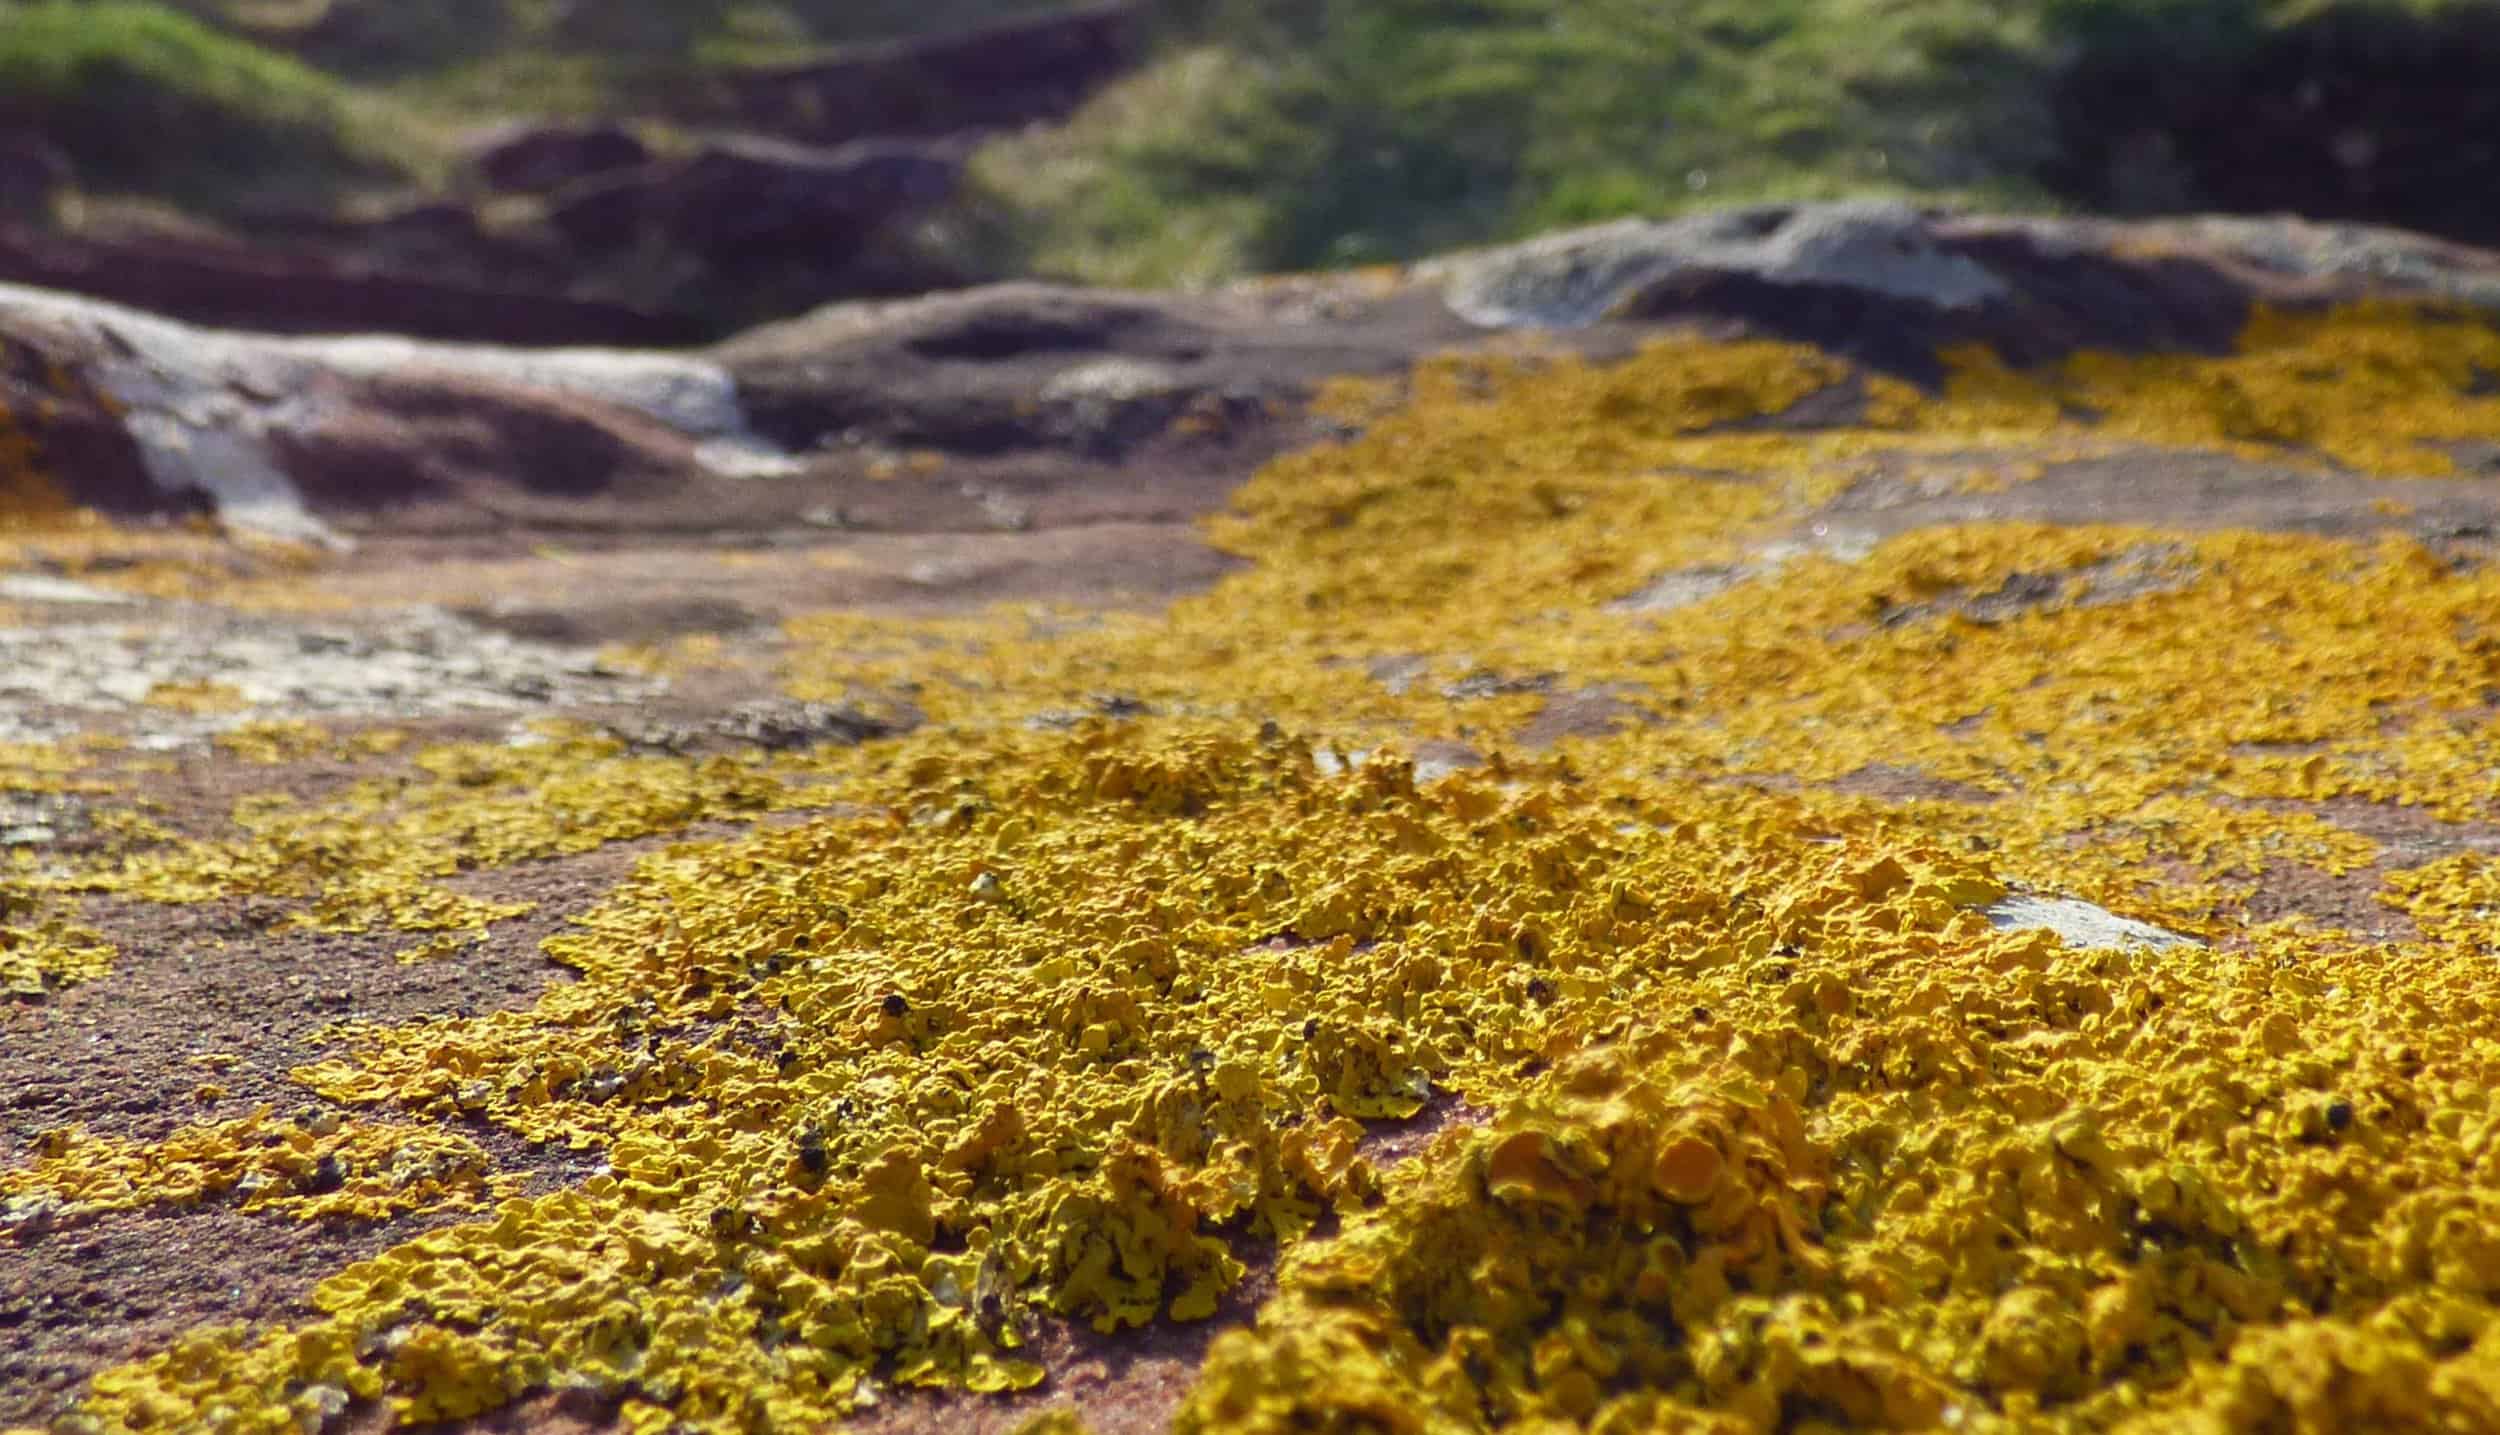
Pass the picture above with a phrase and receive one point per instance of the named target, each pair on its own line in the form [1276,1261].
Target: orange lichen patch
[1524,1275]
[29,500]
[373,856]
[43,944]
[199,698]
[307,1168]
[2453,898]
[363,901]
[47,767]
[762,1055]
[2078,1220]
[2374,388]
[2431,1366]
[1061,1009]
[693,653]
[273,741]
[277,1388]
[41,947]
[189,559]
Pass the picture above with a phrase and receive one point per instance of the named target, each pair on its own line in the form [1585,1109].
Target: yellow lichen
[1061,1001]
[41,948]
[273,741]
[305,1167]
[2380,389]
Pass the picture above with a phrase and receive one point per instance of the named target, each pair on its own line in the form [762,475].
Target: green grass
[1391,128]
[146,100]
[1262,135]
[1290,134]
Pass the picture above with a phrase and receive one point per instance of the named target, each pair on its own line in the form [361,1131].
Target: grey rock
[417,662]
[2080,924]
[210,410]
[1581,276]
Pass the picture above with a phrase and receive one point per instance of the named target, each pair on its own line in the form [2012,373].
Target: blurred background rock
[666,172]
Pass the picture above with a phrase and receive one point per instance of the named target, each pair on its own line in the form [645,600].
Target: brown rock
[543,158]
[32,175]
[737,197]
[210,282]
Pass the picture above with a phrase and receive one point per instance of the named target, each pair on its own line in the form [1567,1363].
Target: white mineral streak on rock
[1580,276]
[696,397]
[204,405]
[42,588]
[2080,924]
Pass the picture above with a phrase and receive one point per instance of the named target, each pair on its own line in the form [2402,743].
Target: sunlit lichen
[1065,999]
[307,1167]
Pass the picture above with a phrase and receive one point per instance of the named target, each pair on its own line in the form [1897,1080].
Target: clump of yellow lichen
[273,741]
[1526,1272]
[41,948]
[2383,389]
[377,855]
[314,1165]
[1105,973]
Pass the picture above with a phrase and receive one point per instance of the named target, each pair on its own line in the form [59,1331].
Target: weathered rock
[2081,924]
[2345,257]
[420,661]
[306,292]
[32,174]
[1889,283]
[1032,366]
[319,437]
[133,411]
[781,725]
[1829,780]
[1578,277]
[736,197]
[442,240]
[623,247]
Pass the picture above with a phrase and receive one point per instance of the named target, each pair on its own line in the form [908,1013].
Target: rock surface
[732,200]
[326,435]
[1891,284]
[348,279]
[540,158]
[1141,836]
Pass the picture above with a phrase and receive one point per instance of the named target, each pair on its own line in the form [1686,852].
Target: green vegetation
[1345,134]
[227,107]
[1291,134]
[143,99]
[1278,134]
